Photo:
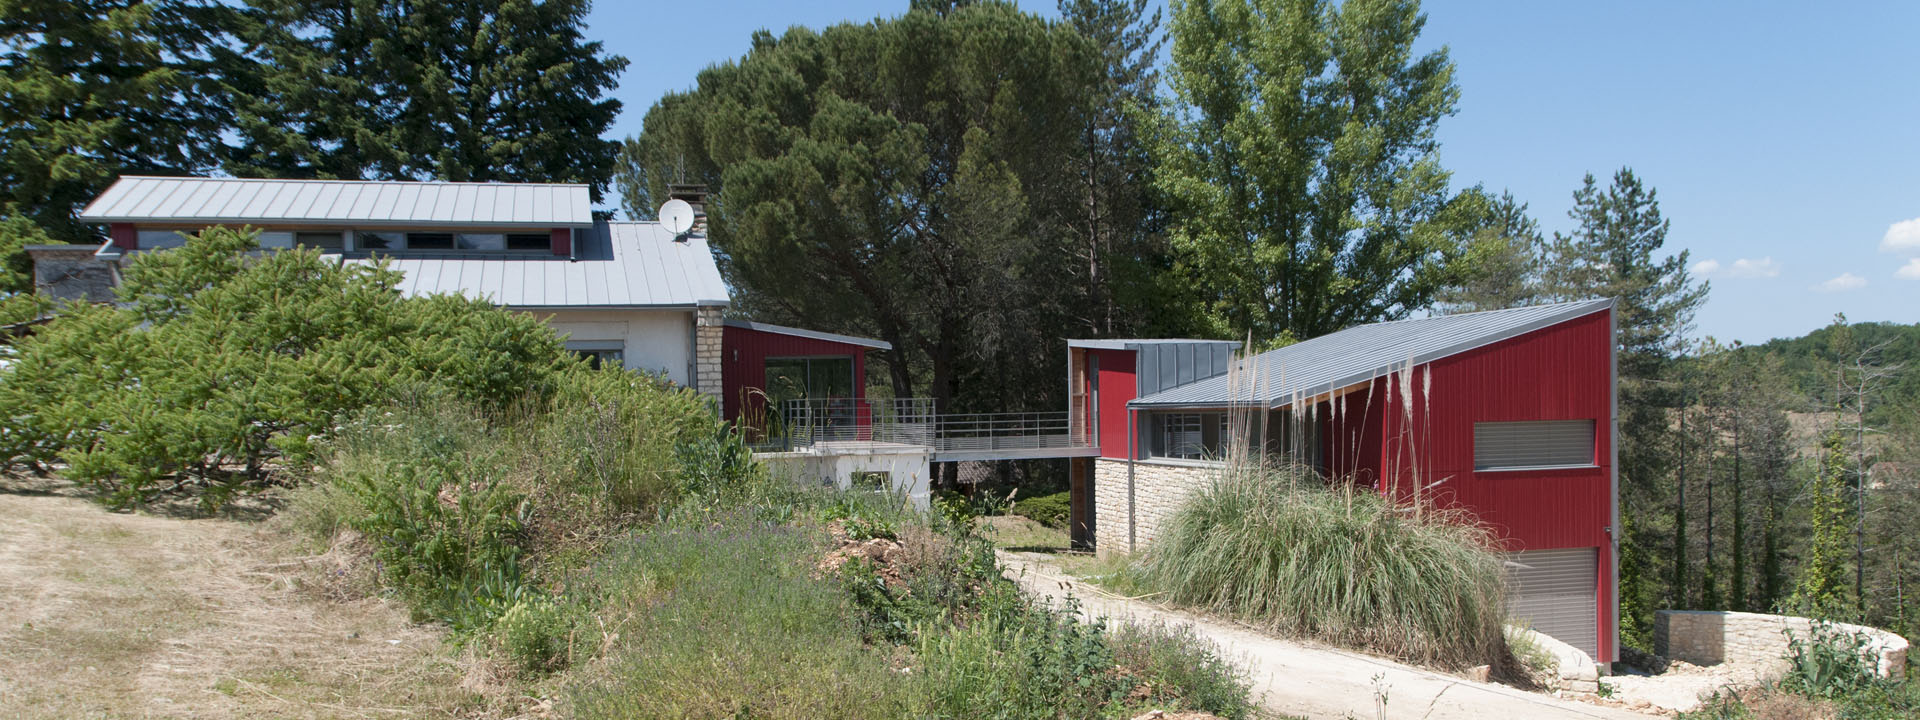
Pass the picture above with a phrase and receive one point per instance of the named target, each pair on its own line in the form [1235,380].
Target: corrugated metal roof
[812,334]
[365,203]
[617,265]
[1359,354]
[1135,343]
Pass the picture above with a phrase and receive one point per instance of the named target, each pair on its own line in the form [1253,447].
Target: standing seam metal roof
[1359,354]
[616,265]
[191,200]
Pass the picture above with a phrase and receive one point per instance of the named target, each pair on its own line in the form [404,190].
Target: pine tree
[1613,252]
[1503,261]
[409,89]
[506,91]
[317,97]
[1301,166]
[1116,210]
[91,89]
[906,182]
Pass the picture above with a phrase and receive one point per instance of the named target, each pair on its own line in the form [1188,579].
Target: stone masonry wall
[1158,490]
[1706,637]
[71,272]
[708,335]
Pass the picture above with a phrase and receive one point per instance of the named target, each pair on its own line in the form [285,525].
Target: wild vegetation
[837,604]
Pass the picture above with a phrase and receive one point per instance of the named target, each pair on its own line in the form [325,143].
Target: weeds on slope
[741,616]
[664,573]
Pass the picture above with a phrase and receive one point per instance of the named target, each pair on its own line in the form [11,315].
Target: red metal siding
[743,364]
[125,236]
[1117,388]
[1350,438]
[1563,372]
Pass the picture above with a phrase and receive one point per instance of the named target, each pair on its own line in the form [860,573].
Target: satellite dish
[677,216]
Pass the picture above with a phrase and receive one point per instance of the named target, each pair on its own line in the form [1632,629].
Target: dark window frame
[1211,426]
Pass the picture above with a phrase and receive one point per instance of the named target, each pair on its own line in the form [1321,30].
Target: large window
[600,353]
[809,377]
[1186,436]
[1535,445]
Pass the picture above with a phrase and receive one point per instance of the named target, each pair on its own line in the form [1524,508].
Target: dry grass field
[139,615]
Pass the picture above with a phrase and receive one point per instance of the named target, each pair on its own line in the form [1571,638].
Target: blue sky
[1784,139]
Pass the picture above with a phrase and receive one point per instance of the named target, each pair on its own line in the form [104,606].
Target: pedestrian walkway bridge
[843,422]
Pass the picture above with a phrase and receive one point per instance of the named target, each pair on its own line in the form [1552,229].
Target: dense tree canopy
[462,91]
[900,178]
[91,90]
[358,89]
[1300,164]
[1503,263]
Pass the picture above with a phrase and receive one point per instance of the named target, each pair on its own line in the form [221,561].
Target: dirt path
[1292,678]
[108,614]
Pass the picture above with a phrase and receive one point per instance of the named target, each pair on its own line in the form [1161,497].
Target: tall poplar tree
[89,90]
[1301,167]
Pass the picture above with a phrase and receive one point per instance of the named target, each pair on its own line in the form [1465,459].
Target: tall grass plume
[1277,547]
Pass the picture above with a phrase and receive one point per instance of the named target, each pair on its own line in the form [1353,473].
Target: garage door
[1553,591]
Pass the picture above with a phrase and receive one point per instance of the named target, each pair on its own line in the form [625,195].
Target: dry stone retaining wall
[1158,490]
[1705,637]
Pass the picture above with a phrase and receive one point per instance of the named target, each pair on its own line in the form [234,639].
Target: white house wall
[653,340]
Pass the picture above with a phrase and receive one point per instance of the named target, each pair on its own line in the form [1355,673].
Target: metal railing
[820,420]
[1006,431]
[913,421]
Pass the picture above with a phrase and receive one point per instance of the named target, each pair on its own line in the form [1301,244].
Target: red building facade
[1507,415]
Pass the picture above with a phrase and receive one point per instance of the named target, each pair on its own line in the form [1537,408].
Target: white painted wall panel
[653,340]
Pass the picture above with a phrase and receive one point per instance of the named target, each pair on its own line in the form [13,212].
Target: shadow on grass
[244,507]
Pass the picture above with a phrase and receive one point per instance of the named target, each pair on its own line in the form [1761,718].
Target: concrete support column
[708,344]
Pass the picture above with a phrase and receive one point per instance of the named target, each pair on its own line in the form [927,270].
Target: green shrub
[1181,670]
[1828,662]
[1049,510]
[1032,665]
[1279,549]
[541,634]
[219,360]
[442,522]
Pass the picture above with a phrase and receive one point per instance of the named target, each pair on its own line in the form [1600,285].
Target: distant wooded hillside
[1810,360]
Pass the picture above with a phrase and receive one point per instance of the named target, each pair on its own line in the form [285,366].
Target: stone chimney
[695,195]
[72,272]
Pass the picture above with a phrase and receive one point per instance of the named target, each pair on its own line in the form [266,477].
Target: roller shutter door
[1553,591]
[1532,445]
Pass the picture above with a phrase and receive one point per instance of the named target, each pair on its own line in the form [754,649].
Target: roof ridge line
[355,181]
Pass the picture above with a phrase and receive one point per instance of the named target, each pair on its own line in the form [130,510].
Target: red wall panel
[743,364]
[1563,372]
[1117,388]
